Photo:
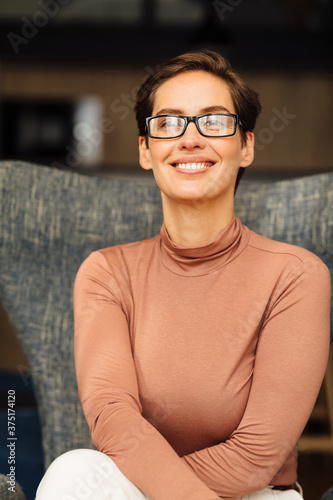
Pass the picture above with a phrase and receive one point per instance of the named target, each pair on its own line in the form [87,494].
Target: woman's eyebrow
[208,109]
[169,111]
[215,109]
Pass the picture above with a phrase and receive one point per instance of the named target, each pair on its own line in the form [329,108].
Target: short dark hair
[245,99]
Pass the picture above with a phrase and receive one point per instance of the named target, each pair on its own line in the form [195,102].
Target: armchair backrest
[50,220]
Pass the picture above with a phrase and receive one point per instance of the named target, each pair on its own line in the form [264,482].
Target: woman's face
[215,161]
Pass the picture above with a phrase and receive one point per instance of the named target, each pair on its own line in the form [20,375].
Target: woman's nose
[191,138]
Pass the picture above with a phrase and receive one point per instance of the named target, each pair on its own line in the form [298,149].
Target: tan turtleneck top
[198,368]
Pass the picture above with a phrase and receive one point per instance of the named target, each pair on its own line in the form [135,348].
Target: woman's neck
[194,226]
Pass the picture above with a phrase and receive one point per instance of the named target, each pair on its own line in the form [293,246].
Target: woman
[199,352]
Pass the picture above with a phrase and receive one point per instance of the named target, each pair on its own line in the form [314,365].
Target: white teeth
[192,166]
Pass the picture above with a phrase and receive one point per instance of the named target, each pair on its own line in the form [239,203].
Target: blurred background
[70,70]
[69,73]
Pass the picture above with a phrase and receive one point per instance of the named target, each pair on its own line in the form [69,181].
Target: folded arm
[109,393]
[290,363]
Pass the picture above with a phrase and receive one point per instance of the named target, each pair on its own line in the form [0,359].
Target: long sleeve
[198,368]
[290,361]
[108,390]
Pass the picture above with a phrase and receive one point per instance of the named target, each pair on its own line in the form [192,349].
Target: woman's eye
[213,124]
[175,124]
[167,124]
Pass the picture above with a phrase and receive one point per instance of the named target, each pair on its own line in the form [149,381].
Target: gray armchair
[50,220]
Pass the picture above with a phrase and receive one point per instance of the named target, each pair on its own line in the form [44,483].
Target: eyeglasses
[210,125]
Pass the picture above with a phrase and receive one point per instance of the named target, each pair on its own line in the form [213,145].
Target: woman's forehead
[193,90]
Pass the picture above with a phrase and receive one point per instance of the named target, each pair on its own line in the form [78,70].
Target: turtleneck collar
[203,260]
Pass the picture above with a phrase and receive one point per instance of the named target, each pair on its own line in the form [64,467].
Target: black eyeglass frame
[195,120]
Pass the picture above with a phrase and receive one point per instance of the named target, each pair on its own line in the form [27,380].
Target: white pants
[90,475]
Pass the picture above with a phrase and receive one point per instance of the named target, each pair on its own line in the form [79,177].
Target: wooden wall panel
[305,142]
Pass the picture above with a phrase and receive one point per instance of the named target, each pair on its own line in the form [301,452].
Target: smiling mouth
[193,166]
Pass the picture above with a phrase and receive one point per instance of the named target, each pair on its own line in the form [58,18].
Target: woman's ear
[144,153]
[248,150]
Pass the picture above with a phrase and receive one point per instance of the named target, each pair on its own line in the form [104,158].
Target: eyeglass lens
[214,125]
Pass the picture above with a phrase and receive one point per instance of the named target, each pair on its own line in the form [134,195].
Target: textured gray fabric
[5,494]
[50,220]
[328,495]
[297,211]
